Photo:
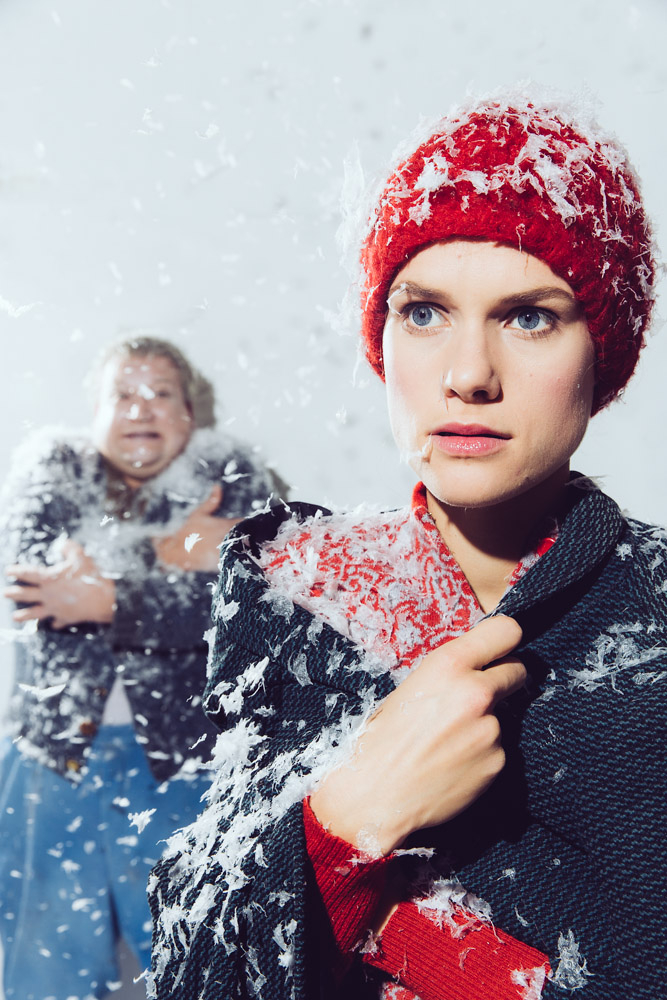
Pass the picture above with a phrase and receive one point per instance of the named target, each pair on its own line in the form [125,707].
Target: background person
[111,538]
[507,281]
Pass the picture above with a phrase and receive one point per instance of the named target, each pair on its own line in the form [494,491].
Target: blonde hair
[198,391]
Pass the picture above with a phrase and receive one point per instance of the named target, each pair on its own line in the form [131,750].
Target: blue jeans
[73,870]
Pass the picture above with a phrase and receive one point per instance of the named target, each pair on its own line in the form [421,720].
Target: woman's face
[489,370]
[142,420]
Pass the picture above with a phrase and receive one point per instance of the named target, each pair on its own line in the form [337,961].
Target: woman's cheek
[581,383]
[567,400]
[403,415]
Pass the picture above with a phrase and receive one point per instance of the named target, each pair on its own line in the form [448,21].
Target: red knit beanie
[528,177]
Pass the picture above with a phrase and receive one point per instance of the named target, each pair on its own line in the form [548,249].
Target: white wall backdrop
[177,165]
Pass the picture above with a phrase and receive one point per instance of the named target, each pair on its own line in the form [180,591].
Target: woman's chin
[474,489]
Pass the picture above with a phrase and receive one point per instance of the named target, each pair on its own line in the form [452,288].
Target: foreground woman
[356,842]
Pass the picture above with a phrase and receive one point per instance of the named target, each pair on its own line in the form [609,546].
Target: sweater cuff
[441,959]
[349,882]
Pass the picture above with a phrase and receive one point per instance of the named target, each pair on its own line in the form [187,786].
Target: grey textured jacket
[59,484]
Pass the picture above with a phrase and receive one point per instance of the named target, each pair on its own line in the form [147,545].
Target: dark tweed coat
[568,846]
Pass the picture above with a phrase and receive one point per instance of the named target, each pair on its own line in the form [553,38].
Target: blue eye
[529,319]
[423,315]
[533,320]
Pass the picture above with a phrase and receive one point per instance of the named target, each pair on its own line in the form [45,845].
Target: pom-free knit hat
[532,178]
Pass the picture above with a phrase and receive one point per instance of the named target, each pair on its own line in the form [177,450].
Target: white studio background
[177,165]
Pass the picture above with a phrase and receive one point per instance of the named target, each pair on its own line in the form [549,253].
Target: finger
[21,593]
[32,575]
[36,611]
[505,678]
[493,639]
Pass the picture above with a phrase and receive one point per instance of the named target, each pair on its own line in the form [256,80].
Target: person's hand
[431,748]
[195,545]
[70,592]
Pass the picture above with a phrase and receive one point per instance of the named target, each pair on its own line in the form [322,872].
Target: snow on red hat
[529,177]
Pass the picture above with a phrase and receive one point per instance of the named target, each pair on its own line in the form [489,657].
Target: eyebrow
[545,292]
[413,289]
[532,295]
[121,385]
[165,379]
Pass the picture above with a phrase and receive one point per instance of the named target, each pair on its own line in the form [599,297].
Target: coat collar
[590,524]
[589,527]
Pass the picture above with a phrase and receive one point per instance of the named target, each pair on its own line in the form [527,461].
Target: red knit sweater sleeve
[349,883]
[451,961]
[433,959]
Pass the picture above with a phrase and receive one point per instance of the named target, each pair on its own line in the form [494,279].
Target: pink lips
[468,440]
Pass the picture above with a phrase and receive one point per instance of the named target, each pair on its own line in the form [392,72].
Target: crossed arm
[74,590]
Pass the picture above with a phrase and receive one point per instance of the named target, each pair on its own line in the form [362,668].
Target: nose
[470,371]
[140,409]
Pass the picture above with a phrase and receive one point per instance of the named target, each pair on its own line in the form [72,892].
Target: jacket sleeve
[38,501]
[161,608]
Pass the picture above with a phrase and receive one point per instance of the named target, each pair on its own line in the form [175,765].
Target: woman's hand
[70,592]
[196,543]
[432,747]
